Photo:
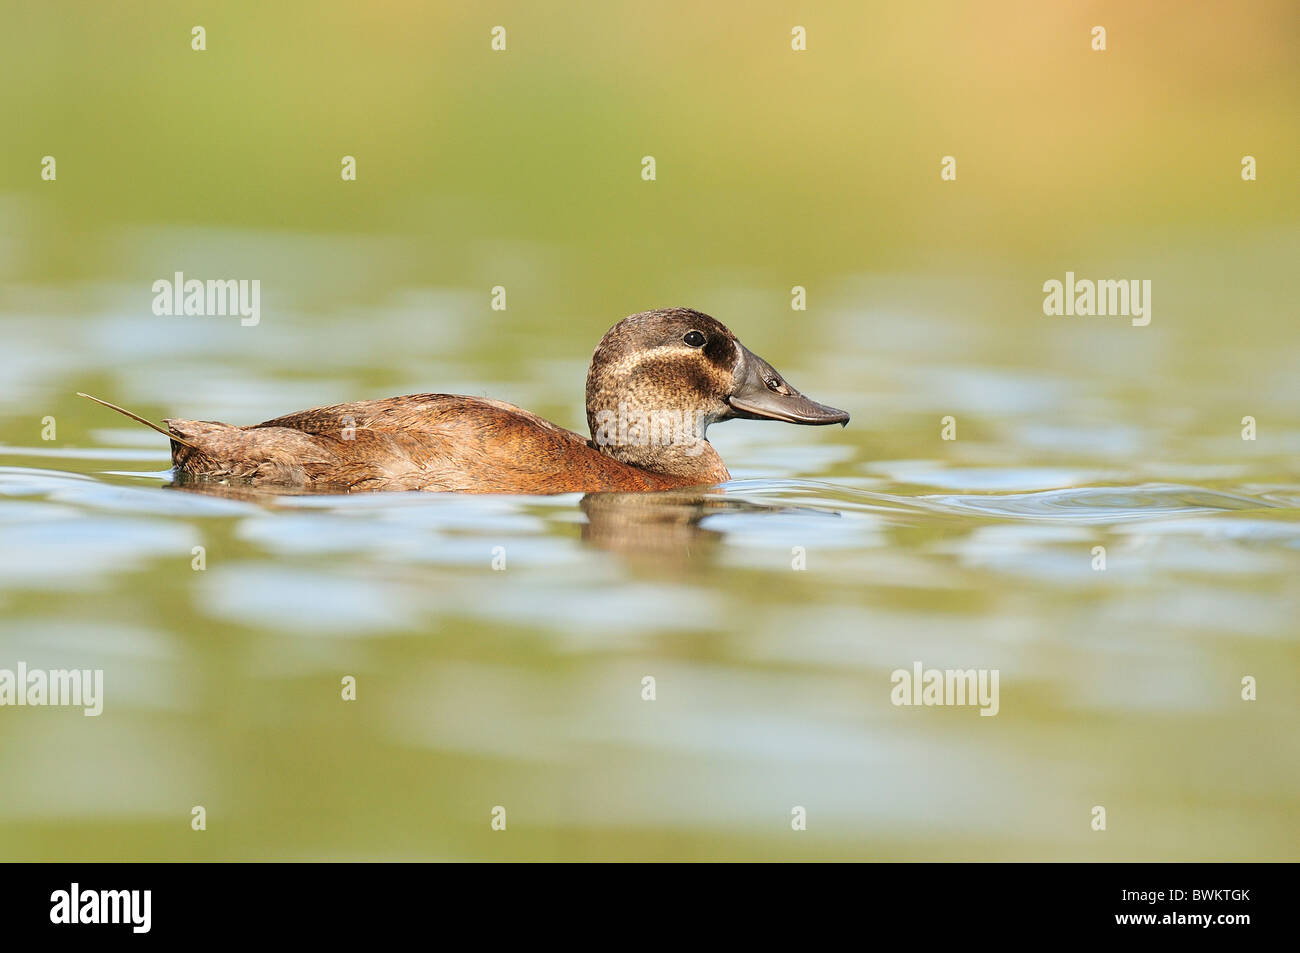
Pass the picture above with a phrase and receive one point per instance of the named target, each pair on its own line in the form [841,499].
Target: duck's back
[419,442]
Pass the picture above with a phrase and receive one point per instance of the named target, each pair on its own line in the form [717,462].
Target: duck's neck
[704,467]
[675,448]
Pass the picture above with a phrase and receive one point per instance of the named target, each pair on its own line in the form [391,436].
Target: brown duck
[657,380]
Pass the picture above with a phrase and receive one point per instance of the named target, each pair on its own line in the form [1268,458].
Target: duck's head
[679,370]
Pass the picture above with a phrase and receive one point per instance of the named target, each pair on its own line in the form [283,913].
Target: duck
[657,381]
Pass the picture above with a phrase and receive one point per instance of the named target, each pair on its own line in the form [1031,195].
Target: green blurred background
[791,168]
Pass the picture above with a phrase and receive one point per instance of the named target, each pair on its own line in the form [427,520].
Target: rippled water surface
[500,643]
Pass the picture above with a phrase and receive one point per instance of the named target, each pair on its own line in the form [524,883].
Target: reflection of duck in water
[668,522]
[657,380]
[655,523]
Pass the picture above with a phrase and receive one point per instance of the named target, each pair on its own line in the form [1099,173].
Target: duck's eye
[694,338]
[773,383]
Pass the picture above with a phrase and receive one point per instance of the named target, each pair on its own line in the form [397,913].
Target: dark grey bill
[763,394]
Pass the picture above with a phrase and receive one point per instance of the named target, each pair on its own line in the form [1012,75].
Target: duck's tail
[138,419]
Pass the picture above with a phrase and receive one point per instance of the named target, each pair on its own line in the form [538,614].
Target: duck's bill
[794,409]
[763,394]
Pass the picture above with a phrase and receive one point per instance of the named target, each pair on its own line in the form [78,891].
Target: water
[521,685]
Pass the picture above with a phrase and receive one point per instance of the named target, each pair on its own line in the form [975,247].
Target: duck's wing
[442,442]
[325,448]
[422,413]
[272,457]
[439,442]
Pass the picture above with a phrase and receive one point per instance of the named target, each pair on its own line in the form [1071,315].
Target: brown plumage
[657,380]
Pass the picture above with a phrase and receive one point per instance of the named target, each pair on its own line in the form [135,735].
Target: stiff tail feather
[138,419]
